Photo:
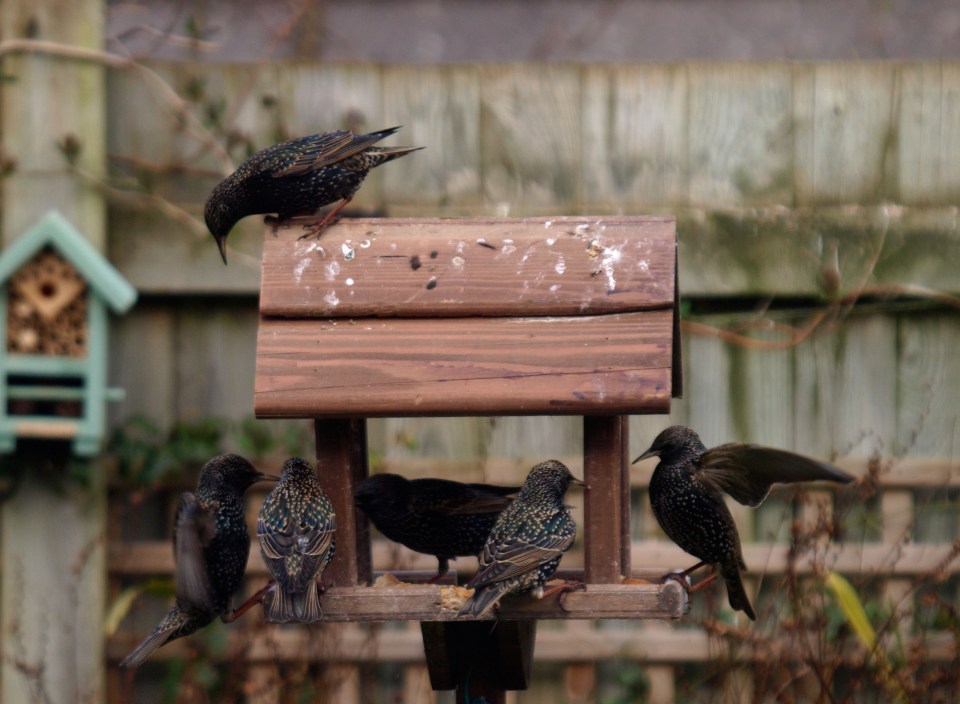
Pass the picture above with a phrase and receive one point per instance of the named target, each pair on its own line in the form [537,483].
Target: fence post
[53,543]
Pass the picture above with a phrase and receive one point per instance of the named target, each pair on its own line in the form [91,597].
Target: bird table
[475,317]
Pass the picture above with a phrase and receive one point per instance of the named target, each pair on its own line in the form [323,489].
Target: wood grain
[423,602]
[464,366]
[476,266]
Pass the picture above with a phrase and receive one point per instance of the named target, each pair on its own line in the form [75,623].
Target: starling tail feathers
[736,592]
[176,624]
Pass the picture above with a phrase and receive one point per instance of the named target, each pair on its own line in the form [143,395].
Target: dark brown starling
[296,528]
[210,549]
[687,487]
[437,517]
[527,541]
[296,178]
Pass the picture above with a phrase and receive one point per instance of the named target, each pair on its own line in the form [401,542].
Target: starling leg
[317,228]
[703,582]
[249,603]
[443,567]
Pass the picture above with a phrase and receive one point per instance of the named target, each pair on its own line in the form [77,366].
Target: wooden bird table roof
[383,317]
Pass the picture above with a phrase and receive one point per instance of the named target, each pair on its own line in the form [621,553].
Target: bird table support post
[479,658]
[603,468]
[341,466]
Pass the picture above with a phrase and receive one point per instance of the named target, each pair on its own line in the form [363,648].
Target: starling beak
[436,517]
[297,177]
[210,548]
[222,246]
[687,487]
[526,543]
[296,528]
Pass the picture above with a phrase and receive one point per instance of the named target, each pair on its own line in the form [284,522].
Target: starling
[527,541]
[686,493]
[210,549]
[296,178]
[296,529]
[437,517]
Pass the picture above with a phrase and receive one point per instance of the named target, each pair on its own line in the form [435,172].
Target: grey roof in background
[454,31]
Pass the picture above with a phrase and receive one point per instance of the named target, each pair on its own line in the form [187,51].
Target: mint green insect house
[55,290]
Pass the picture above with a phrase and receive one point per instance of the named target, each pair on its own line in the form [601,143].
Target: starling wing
[194,528]
[319,150]
[746,472]
[515,557]
[295,557]
[467,499]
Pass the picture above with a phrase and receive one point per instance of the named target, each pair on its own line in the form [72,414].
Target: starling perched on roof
[527,541]
[433,516]
[296,529]
[210,549]
[686,493]
[296,178]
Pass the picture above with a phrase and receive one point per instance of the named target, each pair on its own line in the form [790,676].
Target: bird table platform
[466,317]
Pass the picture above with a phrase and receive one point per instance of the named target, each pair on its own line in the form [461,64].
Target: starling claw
[274,222]
[566,586]
[680,577]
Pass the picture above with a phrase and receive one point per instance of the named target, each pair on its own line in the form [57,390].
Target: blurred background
[810,151]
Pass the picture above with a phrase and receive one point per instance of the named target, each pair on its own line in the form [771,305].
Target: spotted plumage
[210,549]
[296,528]
[436,517]
[526,543]
[686,493]
[297,177]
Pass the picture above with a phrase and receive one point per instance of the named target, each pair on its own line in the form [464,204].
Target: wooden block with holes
[537,316]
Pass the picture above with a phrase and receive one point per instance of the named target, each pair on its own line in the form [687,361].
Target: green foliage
[147,454]
[630,682]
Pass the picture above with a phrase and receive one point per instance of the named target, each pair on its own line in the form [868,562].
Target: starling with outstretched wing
[687,488]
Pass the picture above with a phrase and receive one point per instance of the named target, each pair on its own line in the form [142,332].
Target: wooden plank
[439,107]
[603,441]
[423,602]
[844,119]
[464,366]
[635,135]
[460,267]
[530,137]
[213,361]
[928,137]
[927,378]
[740,143]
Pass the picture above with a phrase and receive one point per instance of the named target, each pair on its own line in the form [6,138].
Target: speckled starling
[526,543]
[210,549]
[296,178]
[686,493]
[437,517]
[296,528]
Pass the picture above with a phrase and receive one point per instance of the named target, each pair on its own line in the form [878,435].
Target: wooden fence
[825,189]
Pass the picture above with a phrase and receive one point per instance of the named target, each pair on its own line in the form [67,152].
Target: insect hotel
[468,317]
[55,291]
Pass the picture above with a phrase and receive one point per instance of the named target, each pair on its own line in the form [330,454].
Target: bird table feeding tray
[465,317]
